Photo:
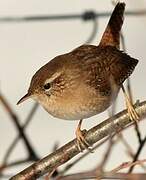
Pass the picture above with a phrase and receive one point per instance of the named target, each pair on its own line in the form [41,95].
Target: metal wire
[87,15]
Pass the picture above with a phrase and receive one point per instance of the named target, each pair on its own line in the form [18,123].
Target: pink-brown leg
[80,138]
[131,111]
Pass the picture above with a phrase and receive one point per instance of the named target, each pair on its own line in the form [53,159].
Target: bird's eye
[47,86]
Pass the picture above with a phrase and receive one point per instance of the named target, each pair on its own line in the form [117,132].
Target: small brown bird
[85,81]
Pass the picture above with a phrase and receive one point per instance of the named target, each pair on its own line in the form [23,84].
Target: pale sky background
[25,47]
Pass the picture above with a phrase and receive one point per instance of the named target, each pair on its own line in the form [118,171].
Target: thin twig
[15,119]
[15,163]
[127,165]
[101,166]
[70,150]
[107,154]
[93,175]
[137,130]
[125,143]
[138,153]
[70,165]
[15,141]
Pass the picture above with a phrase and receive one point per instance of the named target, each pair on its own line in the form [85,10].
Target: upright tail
[111,35]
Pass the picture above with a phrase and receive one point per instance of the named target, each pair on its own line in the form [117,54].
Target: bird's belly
[81,103]
[77,110]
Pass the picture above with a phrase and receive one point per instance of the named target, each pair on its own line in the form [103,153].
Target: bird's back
[100,66]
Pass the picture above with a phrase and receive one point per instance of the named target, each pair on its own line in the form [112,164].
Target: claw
[81,141]
[130,109]
[132,112]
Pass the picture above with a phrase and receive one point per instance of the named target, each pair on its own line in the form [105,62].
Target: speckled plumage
[84,86]
[84,82]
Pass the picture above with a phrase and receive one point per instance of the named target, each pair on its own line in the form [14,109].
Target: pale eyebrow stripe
[53,77]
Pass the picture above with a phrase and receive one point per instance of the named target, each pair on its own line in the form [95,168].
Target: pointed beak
[24,98]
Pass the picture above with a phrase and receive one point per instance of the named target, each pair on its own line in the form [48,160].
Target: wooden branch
[68,151]
[107,176]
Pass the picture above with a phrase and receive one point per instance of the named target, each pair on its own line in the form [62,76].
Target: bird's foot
[81,141]
[131,111]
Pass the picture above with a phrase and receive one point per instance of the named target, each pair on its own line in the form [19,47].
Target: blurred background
[26,46]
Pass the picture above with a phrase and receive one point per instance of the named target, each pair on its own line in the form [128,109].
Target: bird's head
[47,81]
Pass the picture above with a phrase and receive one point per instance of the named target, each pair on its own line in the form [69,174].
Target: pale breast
[80,103]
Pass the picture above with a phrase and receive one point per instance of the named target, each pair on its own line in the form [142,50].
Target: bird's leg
[131,111]
[80,138]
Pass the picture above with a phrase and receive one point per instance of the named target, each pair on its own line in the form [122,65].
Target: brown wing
[121,65]
[99,78]
[90,63]
[105,65]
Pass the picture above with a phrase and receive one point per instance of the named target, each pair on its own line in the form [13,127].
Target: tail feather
[123,68]
[111,36]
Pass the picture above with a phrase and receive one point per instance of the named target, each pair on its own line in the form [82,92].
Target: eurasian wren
[84,82]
